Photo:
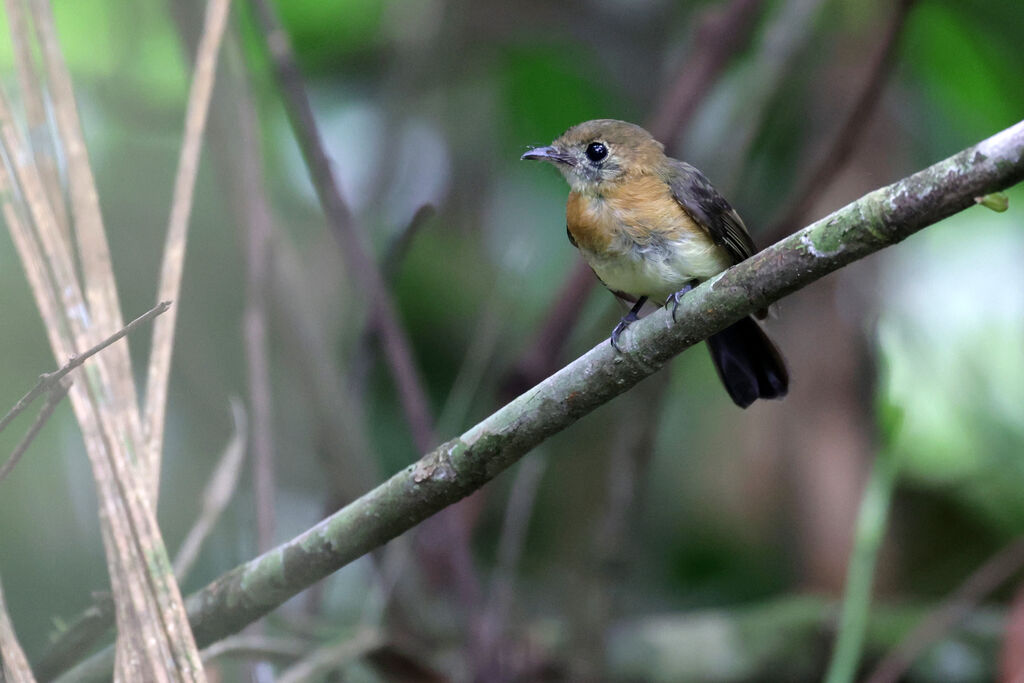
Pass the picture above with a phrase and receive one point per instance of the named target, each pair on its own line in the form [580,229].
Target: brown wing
[709,210]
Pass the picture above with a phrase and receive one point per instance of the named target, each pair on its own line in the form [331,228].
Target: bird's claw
[619,329]
[626,321]
[675,297]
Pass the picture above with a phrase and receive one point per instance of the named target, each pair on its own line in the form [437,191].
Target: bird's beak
[552,154]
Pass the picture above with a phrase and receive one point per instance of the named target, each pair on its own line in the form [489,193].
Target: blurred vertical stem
[349,234]
[445,540]
[172,267]
[871,523]
[13,664]
[258,232]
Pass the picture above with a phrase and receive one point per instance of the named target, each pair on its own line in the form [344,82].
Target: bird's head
[596,153]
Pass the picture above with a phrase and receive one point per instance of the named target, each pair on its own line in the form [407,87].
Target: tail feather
[748,363]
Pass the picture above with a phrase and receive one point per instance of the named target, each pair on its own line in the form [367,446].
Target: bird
[651,228]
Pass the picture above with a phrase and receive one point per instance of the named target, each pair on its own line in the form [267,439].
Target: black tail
[748,363]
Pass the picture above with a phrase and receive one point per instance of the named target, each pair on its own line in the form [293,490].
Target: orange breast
[641,208]
[589,222]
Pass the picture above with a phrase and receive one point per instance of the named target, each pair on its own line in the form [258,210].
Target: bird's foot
[675,297]
[626,321]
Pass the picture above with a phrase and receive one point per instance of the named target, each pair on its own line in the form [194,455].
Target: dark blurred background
[669,529]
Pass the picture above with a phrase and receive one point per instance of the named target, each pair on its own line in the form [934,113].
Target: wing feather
[709,210]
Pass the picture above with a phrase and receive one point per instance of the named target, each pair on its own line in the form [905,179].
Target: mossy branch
[464,464]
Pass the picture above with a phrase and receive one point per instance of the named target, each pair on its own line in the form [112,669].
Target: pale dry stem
[98,281]
[14,666]
[173,264]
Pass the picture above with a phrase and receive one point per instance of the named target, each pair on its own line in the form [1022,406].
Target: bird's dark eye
[596,151]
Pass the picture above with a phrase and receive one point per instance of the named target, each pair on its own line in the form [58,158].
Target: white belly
[655,271]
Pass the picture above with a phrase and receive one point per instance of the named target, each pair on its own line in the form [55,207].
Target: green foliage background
[432,101]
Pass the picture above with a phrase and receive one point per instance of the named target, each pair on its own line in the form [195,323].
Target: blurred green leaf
[548,90]
[973,80]
[87,32]
[323,32]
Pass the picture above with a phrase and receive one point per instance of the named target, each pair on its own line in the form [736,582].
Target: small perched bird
[652,227]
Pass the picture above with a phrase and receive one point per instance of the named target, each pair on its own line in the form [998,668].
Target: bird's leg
[626,321]
[676,297]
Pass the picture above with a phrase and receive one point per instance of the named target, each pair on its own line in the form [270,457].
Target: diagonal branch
[464,464]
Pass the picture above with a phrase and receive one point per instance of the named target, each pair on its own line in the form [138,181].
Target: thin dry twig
[57,394]
[171,269]
[363,267]
[53,383]
[48,381]
[982,582]
[217,494]
[837,152]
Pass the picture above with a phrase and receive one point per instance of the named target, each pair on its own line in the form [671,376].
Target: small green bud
[997,201]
